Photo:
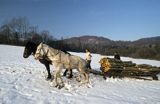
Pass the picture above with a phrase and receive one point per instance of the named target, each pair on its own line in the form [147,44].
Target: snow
[22,81]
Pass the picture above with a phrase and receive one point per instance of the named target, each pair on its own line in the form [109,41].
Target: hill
[143,48]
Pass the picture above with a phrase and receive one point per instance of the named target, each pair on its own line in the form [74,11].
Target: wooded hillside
[18,31]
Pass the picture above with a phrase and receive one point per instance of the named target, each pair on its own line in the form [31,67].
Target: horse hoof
[59,86]
[104,78]
[78,80]
[89,85]
[49,78]
[69,77]
[56,85]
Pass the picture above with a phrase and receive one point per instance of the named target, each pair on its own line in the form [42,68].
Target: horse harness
[46,53]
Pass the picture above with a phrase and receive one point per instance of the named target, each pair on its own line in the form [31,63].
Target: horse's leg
[85,75]
[65,73]
[48,70]
[78,78]
[81,76]
[46,64]
[56,78]
[57,75]
[87,80]
[70,74]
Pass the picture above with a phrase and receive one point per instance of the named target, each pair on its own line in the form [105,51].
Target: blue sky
[113,19]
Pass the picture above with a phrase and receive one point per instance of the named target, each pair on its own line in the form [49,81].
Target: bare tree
[5,33]
[19,25]
[45,36]
[34,35]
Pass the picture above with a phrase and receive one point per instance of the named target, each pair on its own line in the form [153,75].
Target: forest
[17,31]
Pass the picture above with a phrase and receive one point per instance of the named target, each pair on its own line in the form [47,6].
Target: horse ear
[41,44]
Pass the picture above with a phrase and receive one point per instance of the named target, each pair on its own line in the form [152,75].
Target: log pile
[118,68]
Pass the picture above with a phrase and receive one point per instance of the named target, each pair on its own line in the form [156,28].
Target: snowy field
[22,81]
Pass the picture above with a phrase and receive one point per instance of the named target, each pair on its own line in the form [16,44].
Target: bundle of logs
[111,67]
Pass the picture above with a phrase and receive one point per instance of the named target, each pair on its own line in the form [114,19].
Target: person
[88,58]
[117,56]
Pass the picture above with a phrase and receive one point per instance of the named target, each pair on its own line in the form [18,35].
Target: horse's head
[30,48]
[39,52]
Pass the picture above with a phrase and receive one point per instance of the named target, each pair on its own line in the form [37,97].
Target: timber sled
[111,67]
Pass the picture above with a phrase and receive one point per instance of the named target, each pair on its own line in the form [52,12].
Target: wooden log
[144,66]
[128,64]
[110,63]
[115,67]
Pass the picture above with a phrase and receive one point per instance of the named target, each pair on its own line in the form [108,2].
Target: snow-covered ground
[22,81]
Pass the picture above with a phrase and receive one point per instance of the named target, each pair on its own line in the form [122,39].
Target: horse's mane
[55,49]
[32,46]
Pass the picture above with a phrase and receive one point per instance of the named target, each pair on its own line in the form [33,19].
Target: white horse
[62,61]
